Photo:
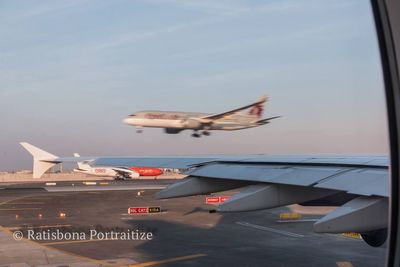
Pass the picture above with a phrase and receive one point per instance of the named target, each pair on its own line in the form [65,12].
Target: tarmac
[186,231]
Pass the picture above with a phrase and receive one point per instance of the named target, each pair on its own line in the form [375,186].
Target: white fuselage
[107,172]
[187,120]
[98,172]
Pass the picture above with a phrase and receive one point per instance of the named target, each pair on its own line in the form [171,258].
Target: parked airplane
[117,172]
[174,122]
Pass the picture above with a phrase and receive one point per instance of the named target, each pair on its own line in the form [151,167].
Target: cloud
[37,10]
[207,6]
[224,10]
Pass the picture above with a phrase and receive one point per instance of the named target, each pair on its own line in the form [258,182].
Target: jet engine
[192,124]
[133,175]
[375,238]
[172,130]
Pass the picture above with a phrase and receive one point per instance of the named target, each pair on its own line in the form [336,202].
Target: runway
[185,233]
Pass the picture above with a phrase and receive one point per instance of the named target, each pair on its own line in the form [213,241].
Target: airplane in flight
[174,122]
[357,185]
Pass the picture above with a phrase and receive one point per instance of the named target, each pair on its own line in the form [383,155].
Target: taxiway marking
[6,230]
[344,264]
[20,209]
[154,263]
[297,221]
[23,203]
[36,227]
[75,241]
[263,228]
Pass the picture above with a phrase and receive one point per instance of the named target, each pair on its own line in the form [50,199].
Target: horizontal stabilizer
[266,120]
[262,196]
[359,215]
[191,186]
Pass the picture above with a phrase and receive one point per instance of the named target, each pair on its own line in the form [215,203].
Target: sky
[70,71]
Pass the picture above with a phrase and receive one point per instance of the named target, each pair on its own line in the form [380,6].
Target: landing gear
[122,177]
[198,135]
[206,133]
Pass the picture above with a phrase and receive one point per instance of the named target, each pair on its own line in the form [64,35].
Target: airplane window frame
[388,33]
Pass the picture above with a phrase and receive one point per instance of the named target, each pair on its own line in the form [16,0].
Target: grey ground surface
[185,232]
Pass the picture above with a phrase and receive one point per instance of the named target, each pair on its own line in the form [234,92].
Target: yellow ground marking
[10,200]
[75,241]
[344,264]
[38,227]
[154,263]
[23,203]
[38,197]
[290,216]
[103,183]
[20,209]
[89,183]
[352,235]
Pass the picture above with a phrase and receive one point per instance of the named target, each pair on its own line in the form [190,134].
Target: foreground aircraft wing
[233,111]
[358,185]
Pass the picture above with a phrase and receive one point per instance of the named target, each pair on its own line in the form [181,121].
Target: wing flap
[365,182]
[264,196]
[191,186]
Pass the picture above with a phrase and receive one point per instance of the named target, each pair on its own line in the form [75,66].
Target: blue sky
[70,71]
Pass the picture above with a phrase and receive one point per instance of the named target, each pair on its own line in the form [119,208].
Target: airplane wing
[358,185]
[125,171]
[218,116]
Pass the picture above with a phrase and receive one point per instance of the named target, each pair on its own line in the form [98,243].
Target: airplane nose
[126,120]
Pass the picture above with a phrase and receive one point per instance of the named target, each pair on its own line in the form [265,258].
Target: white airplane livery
[174,122]
[116,172]
[43,160]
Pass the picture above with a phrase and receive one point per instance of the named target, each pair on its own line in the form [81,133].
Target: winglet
[42,160]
